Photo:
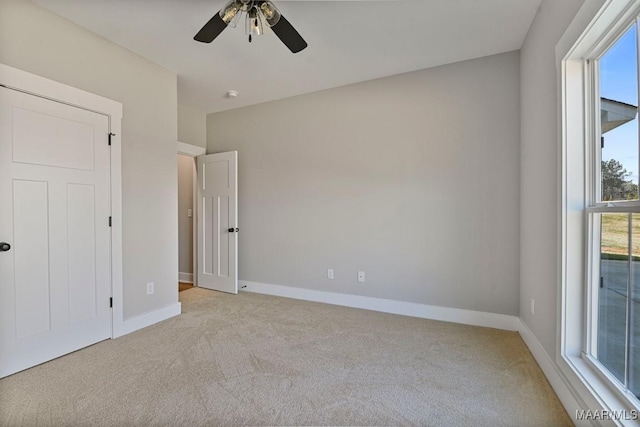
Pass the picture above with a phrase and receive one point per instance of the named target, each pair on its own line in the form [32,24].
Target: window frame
[596,207]
[579,169]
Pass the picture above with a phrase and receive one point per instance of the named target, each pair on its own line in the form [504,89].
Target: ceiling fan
[258,14]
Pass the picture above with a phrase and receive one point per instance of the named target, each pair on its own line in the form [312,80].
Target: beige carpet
[259,360]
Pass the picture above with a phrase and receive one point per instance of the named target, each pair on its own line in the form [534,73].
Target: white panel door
[218,222]
[55,279]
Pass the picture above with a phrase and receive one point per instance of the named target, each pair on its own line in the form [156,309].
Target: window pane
[614,271]
[634,345]
[618,119]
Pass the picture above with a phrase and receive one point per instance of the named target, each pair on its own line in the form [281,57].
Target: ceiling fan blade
[211,29]
[289,36]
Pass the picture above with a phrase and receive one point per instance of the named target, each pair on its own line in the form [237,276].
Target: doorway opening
[187,177]
[213,219]
[186,248]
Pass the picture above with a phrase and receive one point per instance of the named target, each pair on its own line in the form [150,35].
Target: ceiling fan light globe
[230,10]
[235,20]
[270,13]
[253,23]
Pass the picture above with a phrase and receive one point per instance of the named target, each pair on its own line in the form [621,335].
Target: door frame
[23,81]
[193,151]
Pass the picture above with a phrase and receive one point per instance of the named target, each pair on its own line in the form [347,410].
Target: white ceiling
[349,42]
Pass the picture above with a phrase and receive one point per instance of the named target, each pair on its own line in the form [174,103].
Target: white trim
[584,36]
[147,319]
[185,277]
[117,274]
[40,86]
[27,82]
[190,150]
[446,314]
[194,221]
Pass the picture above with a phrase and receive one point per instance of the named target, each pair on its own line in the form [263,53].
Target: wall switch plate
[533,306]
[360,276]
[150,288]
[190,213]
[330,273]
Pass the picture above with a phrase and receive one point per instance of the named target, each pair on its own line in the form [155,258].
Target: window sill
[615,407]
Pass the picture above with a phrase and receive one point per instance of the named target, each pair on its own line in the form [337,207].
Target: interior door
[55,279]
[218,222]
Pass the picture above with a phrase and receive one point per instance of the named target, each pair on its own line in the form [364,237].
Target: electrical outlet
[150,288]
[330,273]
[533,306]
[360,276]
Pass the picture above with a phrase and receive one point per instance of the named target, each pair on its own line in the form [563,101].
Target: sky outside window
[619,82]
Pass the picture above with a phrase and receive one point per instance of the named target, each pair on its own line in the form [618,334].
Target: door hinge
[110,221]
[110,136]
[111,302]
[602,142]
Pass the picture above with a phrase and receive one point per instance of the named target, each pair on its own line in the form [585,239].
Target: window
[598,351]
[613,212]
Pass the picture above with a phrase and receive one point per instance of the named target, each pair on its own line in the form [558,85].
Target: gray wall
[186,167]
[540,181]
[192,126]
[412,178]
[37,41]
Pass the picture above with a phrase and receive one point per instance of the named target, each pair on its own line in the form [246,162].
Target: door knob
[233,230]
[4,247]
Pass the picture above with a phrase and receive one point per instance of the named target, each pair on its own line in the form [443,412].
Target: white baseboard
[446,314]
[147,319]
[185,277]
